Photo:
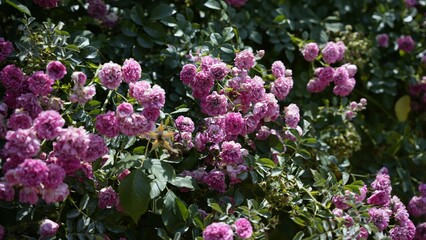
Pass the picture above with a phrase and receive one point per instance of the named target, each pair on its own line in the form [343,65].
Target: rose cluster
[342,77]
[239,106]
[384,207]
[125,119]
[223,231]
[405,43]
[354,107]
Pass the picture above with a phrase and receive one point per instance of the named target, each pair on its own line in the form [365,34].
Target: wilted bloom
[56,70]
[382,40]
[48,228]
[310,51]
[218,231]
[406,43]
[243,228]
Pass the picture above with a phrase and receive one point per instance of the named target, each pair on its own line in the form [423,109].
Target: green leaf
[136,14]
[135,194]
[161,11]
[180,110]
[214,205]
[215,38]
[20,7]
[154,29]
[266,162]
[228,34]
[181,209]
[212,4]
[182,182]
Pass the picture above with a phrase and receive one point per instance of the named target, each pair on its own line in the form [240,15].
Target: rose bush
[212,119]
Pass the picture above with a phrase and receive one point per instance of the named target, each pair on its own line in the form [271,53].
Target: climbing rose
[48,124]
[187,74]
[48,228]
[132,70]
[278,69]
[244,60]
[107,198]
[111,75]
[406,43]
[310,51]
[382,40]
[56,70]
[243,228]
[6,48]
[218,231]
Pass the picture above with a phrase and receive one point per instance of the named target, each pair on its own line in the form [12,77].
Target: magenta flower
[12,78]
[281,87]
[7,192]
[331,53]
[187,74]
[107,124]
[6,48]
[124,110]
[292,116]
[278,69]
[219,71]
[19,119]
[47,3]
[40,83]
[380,217]
[215,104]
[72,142]
[58,194]
[48,228]
[107,198]
[134,125]
[21,144]
[234,123]
[32,172]
[28,195]
[97,148]
[215,180]
[132,71]
[56,70]
[202,84]
[184,124]
[1,232]
[55,177]
[243,228]
[344,88]
[341,75]
[236,3]
[382,40]
[310,51]
[231,153]
[219,230]
[97,9]
[110,75]
[406,43]
[316,85]
[244,60]
[48,124]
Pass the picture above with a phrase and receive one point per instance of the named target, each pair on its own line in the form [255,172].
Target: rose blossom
[56,70]
[110,75]
[406,43]
[244,60]
[382,40]
[131,70]
[48,228]
[40,83]
[310,51]
[218,231]
[236,3]
[6,48]
[278,69]
[243,228]
[48,124]
[107,198]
